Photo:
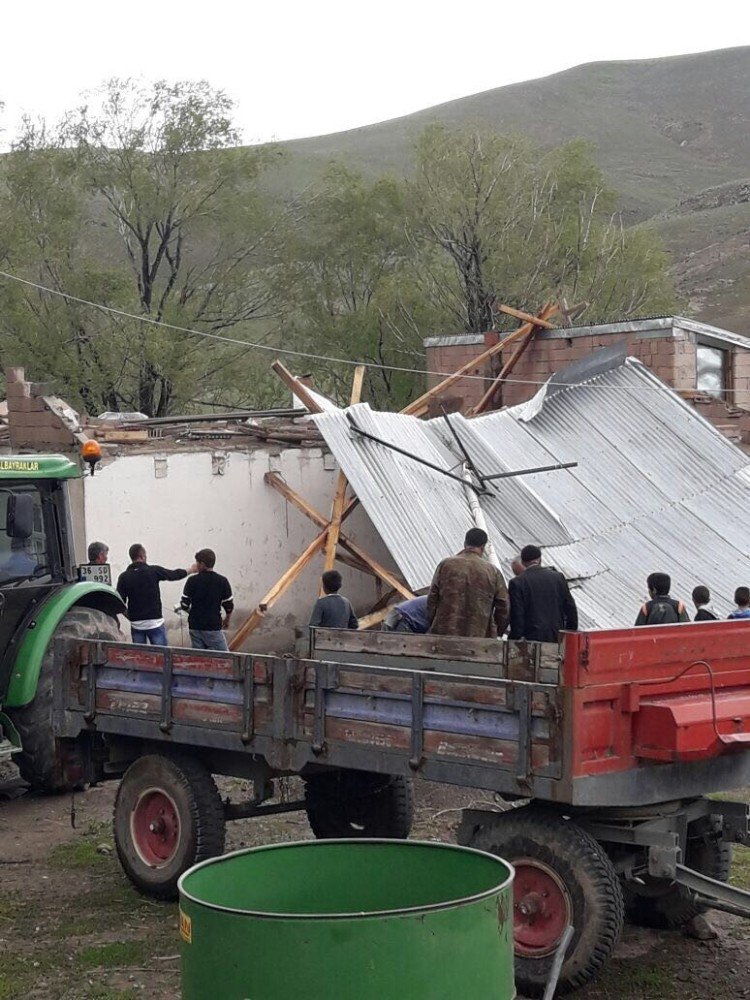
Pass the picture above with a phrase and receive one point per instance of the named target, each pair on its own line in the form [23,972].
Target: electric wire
[290,352]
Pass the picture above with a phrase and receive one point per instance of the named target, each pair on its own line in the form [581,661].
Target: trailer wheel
[46,763]
[359,804]
[563,877]
[664,905]
[168,816]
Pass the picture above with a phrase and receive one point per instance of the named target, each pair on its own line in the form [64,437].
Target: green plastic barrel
[348,920]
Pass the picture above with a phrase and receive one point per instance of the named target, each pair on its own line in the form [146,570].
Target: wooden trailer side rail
[486,732]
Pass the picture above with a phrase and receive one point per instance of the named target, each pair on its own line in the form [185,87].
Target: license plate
[95,573]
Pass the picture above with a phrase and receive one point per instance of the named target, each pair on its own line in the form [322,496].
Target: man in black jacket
[138,586]
[540,601]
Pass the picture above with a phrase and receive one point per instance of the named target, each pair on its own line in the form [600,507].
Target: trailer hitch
[714,894]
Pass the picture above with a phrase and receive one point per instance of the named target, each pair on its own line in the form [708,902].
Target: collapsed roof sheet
[656,487]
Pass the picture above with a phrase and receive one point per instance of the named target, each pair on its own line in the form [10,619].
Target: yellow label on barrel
[186,928]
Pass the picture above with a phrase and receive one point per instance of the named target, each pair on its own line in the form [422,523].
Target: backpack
[662,611]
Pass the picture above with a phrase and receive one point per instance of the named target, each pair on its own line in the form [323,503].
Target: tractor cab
[42,593]
[35,543]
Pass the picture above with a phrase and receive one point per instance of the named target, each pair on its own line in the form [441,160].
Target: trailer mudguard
[41,628]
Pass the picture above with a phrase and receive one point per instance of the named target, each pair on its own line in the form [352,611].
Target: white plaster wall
[175,504]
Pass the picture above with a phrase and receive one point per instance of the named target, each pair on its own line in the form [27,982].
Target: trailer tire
[563,876]
[667,906]
[168,816]
[49,764]
[359,804]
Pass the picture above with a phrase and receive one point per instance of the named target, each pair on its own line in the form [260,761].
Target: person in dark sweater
[540,600]
[333,610]
[138,586]
[702,601]
[206,595]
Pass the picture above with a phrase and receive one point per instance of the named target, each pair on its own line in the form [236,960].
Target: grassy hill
[672,135]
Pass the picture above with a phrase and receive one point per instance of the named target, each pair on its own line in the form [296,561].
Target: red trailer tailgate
[663,693]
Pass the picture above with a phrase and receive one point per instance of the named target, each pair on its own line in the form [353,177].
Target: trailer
[603,751]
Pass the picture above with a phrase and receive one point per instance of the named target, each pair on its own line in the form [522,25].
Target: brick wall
[670,357]
[741,378]
[449,358]
[36,420]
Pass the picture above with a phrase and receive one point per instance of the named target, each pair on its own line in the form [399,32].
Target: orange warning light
[91,453]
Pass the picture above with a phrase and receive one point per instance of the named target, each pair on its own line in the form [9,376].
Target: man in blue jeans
[138,586]
[207,594]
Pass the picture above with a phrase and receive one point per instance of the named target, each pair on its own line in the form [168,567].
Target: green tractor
[43,596]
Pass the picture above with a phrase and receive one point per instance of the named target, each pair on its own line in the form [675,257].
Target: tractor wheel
[46,763]
[168,816]
[664,905]
[359,804]
[563,877]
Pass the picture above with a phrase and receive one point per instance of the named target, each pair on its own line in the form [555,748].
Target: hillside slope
[665,131]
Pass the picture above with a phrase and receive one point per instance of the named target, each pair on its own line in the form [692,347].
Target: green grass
[80,854]
[115,954]
[56,948]
[740,875]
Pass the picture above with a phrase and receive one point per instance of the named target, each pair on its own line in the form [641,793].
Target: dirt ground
[72,927]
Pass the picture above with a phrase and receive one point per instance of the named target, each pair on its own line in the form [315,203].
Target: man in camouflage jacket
[468,595]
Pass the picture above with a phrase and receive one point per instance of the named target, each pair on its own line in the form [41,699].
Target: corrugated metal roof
[656,487]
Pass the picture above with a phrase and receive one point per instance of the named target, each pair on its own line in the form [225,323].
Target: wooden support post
[486,400]
[526,317]
[317,518]
[299,390]
[355,564]
[374,618]
[274,480]
[381,571]
[277,590]
[420,406]
[342,482]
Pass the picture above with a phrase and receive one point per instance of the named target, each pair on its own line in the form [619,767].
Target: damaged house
[653,486]
[638,479]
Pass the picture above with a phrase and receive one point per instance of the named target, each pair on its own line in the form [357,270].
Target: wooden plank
[251,623]
[373,619]
[378,568]
[443,647]
[420,406]
[501,753]
[299,390]
[357,551]
[370,734]
[526,317]
[355,563]
[508,367]
[356,680]
[337,508]
[122,436]
[482,695]
[294,498]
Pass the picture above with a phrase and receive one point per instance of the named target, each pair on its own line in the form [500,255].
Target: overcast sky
[305,68]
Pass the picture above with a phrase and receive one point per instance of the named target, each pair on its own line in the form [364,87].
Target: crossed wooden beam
[330,539]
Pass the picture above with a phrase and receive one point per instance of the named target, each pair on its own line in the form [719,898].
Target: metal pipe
[247,810]
[467,457]
[528,472]
[557,962]
[407,454]
[195,418]
[479,519]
